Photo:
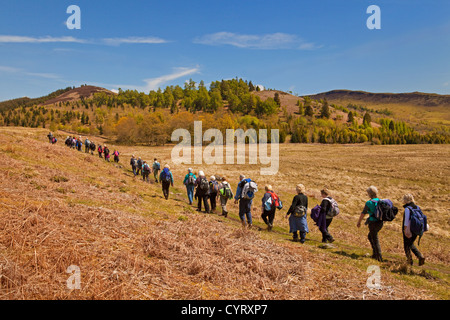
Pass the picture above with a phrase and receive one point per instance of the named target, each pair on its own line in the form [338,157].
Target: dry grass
[59,207]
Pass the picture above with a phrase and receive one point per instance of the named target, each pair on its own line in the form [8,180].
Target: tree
[350,118]
[276,98]
[309,112]
[367,119]
[325,111]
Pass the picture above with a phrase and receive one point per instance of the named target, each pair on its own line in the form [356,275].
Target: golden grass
[131,244]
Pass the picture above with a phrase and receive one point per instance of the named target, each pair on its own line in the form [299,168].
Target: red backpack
[276,200]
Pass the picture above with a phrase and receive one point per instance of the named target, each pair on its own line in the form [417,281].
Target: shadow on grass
[353,256]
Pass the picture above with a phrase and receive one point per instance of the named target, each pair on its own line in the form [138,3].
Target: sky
[305,47]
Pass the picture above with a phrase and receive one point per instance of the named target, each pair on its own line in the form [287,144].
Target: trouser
[408,244]
[165,188]
[212,198]
[326,236]
[100,154]
[268,216]
[116,159]
[205,202]
[155,174]
[190,192]
[374,228]
[134,170]
[87,148]
[245,210]
[302,235]
[138,170]
[223,204]
[145,176]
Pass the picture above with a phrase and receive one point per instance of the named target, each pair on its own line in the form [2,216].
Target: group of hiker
[208,192]
[378,211]
[142,168]
[90,147]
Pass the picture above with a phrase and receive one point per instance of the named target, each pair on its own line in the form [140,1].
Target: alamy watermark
[187,153]
[74,281]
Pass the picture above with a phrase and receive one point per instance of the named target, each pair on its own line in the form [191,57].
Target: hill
[150,118]
[60,208]
[77,94]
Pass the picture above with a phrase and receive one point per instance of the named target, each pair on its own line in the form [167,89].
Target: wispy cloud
[155,83]
[133,40]
[48,39]
[12,70]
[104,41]
[269,41]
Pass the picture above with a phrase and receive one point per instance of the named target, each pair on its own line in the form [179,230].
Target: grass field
[60,207]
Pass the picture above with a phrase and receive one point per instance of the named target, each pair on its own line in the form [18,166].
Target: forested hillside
[140,118]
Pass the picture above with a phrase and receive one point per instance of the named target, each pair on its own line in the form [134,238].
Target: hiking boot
[269,227]
[421,261]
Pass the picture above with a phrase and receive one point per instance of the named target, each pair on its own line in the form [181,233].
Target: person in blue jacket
[245,205]
[189,182]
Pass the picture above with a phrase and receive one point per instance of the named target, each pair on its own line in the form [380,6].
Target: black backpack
[204,185]
[385,210]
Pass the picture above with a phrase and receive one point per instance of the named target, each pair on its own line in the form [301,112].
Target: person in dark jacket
[325,209]
[133,163]
[166,179]
[297,215]
[213,190]
[408,237]
[373,223]
[202,191]
[139,170]
[268,215]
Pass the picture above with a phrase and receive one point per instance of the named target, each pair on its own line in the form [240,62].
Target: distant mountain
[369,98]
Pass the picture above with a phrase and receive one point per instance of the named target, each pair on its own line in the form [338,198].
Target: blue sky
[306,47]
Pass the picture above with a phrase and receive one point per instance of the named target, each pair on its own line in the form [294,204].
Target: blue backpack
[418,220]
[166,175]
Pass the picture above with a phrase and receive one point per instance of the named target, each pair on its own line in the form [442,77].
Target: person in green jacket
[373,223]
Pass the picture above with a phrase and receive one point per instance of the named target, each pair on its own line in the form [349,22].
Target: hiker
[325,209]
[412,211]
[166,179]
[54,140]
[156,168]
[270,203]
[146,170]
[116,156]
[245,192]
[100,151]
[202,192]
[79,144]
[297,215]
[373,223]
[106,152]
[133,163]
[213,191]
[87,145]
[50,137]
[68,141]
[92,147]
[224,193]
[140,163]
[189,182]
[74,142]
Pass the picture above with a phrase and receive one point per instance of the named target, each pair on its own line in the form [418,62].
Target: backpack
[225,191]
[418,221]
[133,162]
[334,210]
[275,200]
[100,149]
[214,186]
[190,179]
[315,213]
[157,165]
[147,168]
[385,210]
[203,185]
[166,175]
[299,211]
[249,189]
[92,146]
